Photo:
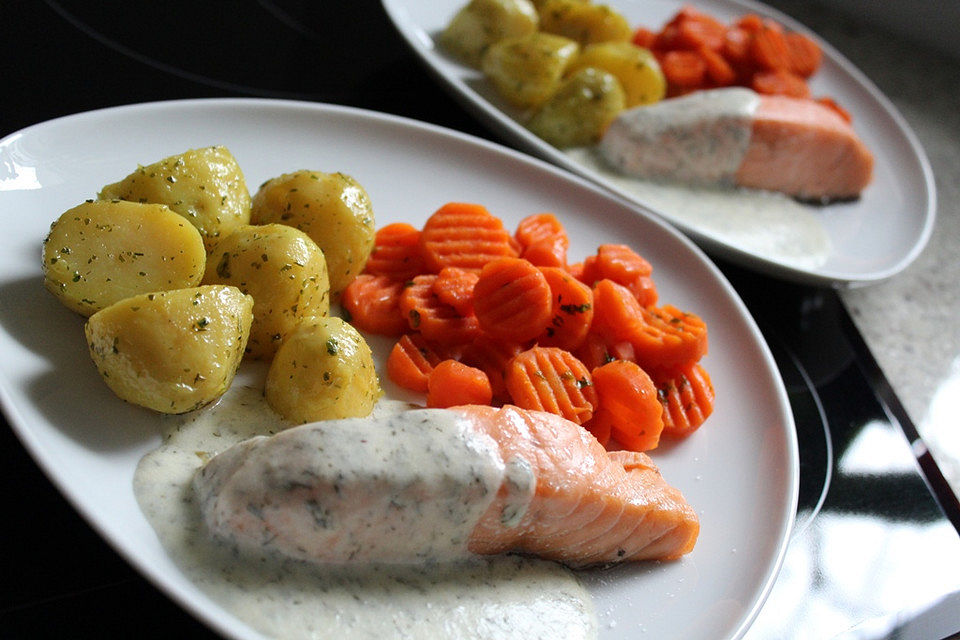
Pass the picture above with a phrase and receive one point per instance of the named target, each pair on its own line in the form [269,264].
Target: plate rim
[495,119]
[229,624]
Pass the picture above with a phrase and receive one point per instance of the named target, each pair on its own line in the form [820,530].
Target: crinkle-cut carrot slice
[396,252]
[463,235]
[736,47]
[453,383]
[549,252]
[571,310]
[701,30]
[595,351]
[687,398]
[552,380]
[719,72]
[437,321]
[668,338]
[769,49]
[512,299]
[623,265]
[537,227]
[373,303]
[491,355]
[627,399]
[616,312]
[683,70]
[454,286]
[410,362]
[804,53]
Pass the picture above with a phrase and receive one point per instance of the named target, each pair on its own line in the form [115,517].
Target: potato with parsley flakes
[526,70]
[285,272]
[332,208]
[323,371]
[103,251]
[171,351]
[480,23]
[584,22]
[636,68]
[205,186]
[581,109]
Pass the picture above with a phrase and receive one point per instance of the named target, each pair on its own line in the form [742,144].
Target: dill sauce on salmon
[693,177]
[490,597]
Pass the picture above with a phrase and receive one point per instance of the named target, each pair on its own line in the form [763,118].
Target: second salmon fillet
[737,137]
[434,485]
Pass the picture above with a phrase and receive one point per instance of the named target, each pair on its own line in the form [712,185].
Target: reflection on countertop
[871,555]
[910,321]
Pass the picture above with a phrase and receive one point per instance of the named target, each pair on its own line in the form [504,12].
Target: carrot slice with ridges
[463,235]
[804,54]
[719,71]
[687,399]
[373,303]
[437,321]
[628,399]
[396,252]
[667,338]
[512,299]
[543,240]
[684,70]
[410,362]
[453,383]
[769,50]
[616,312]
[571,310]
[454,286]
[552,380]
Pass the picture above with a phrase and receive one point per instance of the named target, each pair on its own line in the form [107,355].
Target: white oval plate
[740,471]
[868,240]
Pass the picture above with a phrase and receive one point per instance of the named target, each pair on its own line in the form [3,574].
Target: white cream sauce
[500,597]
[764,223]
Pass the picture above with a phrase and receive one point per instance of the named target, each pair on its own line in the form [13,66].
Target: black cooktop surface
[873,509]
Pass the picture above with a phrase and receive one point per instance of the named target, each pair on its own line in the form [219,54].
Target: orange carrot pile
[697,51]
[485,316]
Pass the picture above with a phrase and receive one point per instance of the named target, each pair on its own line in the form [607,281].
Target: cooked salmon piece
[805,149]
[737,137]
[589,506]
[433,485]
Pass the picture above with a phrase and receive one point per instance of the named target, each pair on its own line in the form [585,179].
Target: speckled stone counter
[911,322]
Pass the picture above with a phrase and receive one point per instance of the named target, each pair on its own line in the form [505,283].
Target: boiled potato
[582,21]
[323,371]
[171,351]
[637,70]
[285,272]
[102,251]
[581,110]
[205,186]
[527,69]
[332,208]
[481,23]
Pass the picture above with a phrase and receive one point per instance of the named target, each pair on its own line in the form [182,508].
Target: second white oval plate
[740,470]
[868,240]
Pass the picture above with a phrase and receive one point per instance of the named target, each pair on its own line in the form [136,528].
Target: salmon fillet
[495,481]
[737,137]
[589,506]
[805,149]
